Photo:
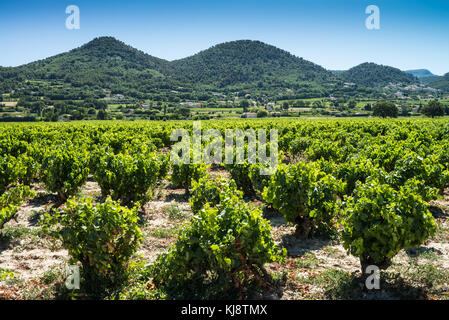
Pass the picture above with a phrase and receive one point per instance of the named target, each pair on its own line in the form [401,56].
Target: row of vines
[366,182]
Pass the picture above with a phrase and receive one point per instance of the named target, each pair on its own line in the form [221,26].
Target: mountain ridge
[425,76]
[241,65]
[442,83]
[420,73]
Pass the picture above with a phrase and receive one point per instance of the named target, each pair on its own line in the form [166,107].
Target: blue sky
[332,33]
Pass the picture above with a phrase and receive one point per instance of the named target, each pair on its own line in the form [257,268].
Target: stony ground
[32,263]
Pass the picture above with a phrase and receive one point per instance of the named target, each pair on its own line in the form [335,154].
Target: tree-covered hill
[374,75]
[442,83]
[247,61]
[103,62]
[244,67]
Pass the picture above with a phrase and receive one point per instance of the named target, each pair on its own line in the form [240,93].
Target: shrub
[11,200]
[164,165]
[102,237]
[30,169]
[128,178]
[20,155]
[299,145]
[65,170]
[328,150]
[21,169]
[247,175]
[305,196]
[420,188]
[240,174]
[353,171]
[211,191]
[380,221]
[427,169]
[220,253]
[10,171]
[258,180]
[184,174]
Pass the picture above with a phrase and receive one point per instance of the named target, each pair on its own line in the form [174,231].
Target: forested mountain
[106,63]
[101,62]
[374,75]
[442,83]
[245,66]
[247,61]
[424,75]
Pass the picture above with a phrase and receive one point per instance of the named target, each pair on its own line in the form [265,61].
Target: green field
[105,195]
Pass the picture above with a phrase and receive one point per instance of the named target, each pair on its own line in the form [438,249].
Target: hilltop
[247,61]
[375,75]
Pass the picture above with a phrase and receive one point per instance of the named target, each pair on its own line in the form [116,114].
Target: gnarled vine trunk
[303,227]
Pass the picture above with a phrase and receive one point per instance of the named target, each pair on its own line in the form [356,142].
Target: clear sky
[331,33]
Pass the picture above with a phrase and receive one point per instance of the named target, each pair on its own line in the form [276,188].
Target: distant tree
[318,104]
[285,106]
[102,115]
[50,115]
[94,103]
[244,104]
[368,107]
[254,110]
[433,109]
[183,112]
[385,109]
[262,113]
[211,103]
[405,111]
[341,107]
[37,107]
[352,104]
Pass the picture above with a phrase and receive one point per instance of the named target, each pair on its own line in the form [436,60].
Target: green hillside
[247,61]
[238,67]
[374,75]
[102,63]
[442,83]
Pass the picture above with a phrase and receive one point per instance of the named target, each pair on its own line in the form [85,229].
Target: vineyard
[106,197]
